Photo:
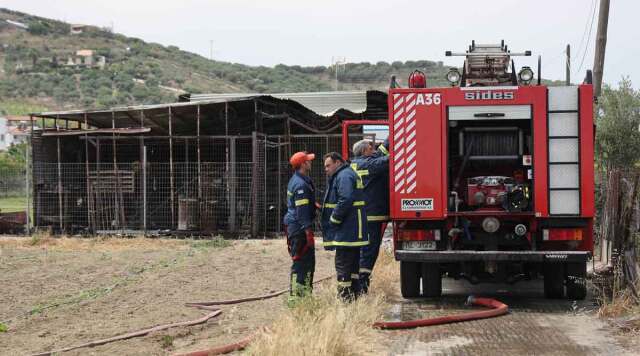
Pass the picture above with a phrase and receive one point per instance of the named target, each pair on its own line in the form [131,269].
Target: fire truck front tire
[553,280]
[576,277]
[431,280]
[410,279]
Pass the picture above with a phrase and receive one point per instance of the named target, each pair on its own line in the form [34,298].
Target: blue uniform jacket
[301,204]
[374,172]
[344,219]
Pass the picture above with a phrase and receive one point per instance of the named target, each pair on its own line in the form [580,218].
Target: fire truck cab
[491,179]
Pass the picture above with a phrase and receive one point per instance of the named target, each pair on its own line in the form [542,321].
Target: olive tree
[618,126]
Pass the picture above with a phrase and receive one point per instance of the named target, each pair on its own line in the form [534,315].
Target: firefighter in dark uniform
[343,221]
[373,168]
[301,212]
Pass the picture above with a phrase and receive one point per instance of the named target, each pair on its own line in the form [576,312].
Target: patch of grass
[3,328]
[40,238]
[13,204]
[86,294]
[166,341]
[216,242]
[35,240]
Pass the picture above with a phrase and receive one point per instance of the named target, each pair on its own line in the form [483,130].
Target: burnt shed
[206,165]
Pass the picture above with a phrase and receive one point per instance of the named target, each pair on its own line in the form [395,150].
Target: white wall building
[13,130]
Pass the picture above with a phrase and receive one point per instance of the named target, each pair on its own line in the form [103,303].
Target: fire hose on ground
[496,309]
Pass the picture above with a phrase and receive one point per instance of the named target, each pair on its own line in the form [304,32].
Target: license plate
[418,245]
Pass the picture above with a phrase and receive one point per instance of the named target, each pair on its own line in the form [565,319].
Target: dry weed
[615,299]
[322,325]
[386,274]
[623,303]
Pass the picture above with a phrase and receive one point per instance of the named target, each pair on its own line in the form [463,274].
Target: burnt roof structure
[208,165]
[228,114]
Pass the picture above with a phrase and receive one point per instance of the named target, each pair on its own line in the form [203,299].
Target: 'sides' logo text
[489,95]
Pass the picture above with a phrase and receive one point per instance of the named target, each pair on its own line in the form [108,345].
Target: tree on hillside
[38,28]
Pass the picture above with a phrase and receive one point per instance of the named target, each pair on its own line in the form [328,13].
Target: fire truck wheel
[410,279]
[553,280]
[576,280]
[431,280]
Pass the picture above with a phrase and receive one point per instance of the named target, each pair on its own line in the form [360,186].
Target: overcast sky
[308,32]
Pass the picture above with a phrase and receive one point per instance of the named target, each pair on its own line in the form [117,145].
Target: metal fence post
[143,158]
[60,210]
[86,170]
[200,205]
[35,214]
[232,179]
[280,190]
[171,178]
[254,184]
[27,186]
[144,189]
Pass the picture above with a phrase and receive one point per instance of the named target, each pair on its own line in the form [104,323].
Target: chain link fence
[14,194]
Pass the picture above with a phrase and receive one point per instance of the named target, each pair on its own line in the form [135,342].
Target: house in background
[76,29]
[86,58]
[14,130]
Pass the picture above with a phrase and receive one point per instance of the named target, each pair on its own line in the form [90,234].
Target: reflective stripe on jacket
[343,217]
[301,204]
[374,172]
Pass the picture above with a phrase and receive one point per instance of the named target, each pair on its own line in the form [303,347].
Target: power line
[586,47]
[586,26]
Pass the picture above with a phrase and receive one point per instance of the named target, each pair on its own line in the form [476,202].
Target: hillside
[44,65]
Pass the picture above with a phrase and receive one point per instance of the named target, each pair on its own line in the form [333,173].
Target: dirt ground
[534,325]
[62,292]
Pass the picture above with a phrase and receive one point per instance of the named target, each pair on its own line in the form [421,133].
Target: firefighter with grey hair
[373,168]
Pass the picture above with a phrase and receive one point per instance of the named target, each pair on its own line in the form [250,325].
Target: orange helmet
[299,158]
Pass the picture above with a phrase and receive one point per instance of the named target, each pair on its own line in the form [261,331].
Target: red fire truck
[492,178]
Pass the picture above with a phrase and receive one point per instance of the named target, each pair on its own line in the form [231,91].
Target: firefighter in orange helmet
[298,221]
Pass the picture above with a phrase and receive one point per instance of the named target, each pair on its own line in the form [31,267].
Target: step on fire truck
[491,179]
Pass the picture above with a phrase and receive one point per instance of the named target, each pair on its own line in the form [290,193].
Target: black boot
[365,280]
[346,293]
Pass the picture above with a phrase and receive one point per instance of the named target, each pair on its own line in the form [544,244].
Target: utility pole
[601,43]
[568,67]
[337,61]
[211,49]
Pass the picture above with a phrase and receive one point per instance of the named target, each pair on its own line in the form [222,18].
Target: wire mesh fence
[13,197]
[161,185]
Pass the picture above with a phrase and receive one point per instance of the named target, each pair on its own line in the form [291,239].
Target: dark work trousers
[302,268]
[347,263]
[369,253]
